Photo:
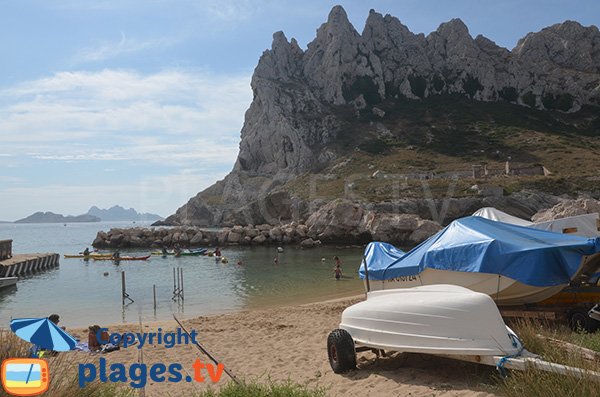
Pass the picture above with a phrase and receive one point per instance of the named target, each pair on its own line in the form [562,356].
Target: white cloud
[230,10]
[124,46]
[116,115]
[174,132]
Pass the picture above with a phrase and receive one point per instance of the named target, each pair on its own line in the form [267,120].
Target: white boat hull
[8,281]
[435,319]
[504,290]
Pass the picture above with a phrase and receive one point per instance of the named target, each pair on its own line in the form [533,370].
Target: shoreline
[271,305]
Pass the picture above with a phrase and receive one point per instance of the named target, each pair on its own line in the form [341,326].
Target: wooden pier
[16,265]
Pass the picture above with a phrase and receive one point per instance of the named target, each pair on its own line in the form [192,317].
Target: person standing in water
[337,271]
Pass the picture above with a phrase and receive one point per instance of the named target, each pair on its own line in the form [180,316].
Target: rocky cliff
[307,101]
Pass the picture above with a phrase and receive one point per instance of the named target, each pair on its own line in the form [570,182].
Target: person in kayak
[86,251]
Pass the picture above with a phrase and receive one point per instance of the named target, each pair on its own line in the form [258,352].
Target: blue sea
[84,293]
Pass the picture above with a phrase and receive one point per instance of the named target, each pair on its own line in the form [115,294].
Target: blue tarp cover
[474,244]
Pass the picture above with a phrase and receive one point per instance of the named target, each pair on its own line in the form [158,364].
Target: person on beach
[337,270]
[55,318]
[276,260]
[96,345]
[337,260]
[164,251]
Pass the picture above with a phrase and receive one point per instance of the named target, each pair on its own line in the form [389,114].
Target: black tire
[341,352]
[579,320]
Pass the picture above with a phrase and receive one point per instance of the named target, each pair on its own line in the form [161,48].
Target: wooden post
[154,295]
[123,288]
[181,289]
[174,286]
[142,392]
[124,293]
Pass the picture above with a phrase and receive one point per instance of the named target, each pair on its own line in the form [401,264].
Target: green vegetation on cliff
[442,135]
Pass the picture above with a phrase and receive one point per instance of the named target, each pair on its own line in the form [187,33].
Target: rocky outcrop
[339,222]
[344,222]
[197,237]
[567,208]
[302,98]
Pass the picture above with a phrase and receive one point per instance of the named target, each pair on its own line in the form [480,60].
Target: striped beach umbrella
[43,333]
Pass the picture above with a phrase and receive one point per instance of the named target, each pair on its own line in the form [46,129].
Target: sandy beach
[290,343]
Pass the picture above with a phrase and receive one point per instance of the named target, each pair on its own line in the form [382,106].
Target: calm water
[82,295]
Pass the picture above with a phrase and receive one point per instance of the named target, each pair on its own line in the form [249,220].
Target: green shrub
[562,102]
[418,85]
[65,385]
[529,99]
[362,85]
[374,146]
[534,382]
[471,85]
[269,389]
[438,83]
[509,94]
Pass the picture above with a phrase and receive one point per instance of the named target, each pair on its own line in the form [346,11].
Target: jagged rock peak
[281,62]
[454,26]
[568,44]
[377,24]
[338,17]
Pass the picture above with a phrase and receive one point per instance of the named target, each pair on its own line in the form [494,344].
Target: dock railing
[5,249]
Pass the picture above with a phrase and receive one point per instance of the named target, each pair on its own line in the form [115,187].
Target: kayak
[123,258]
[195,252]
[91,255]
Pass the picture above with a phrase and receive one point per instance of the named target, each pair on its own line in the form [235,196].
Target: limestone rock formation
[302,97]
[344,222]
[568,208]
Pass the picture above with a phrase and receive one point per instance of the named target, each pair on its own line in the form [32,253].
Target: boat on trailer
[443,320]
[586,225]
[513,264]
[8,281]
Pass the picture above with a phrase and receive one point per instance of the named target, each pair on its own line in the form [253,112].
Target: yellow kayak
[90,256]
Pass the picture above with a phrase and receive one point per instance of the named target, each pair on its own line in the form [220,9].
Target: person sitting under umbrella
[44,334]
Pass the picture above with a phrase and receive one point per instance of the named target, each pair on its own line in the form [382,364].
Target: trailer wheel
[340,349]
[580,321]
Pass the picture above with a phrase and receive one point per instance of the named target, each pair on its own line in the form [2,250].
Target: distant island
[94,214]
[51,217]
[118,213]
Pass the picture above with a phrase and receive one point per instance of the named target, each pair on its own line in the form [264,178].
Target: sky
[141,103]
